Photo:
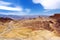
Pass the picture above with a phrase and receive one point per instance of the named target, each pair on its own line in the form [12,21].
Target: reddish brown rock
[5,19]
[56,16]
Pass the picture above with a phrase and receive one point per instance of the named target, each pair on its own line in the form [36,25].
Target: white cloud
[47,10]
[15,13]
[10,8]
[5,6]
[49,4]
[17,10]
[4,3]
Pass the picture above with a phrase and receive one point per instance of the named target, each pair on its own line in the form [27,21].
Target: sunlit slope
[28,34]
[30,29]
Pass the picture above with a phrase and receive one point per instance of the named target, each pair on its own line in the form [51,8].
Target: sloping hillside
[40,28]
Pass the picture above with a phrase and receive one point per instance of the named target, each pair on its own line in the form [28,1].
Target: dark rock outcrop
[5,19]
[56,16]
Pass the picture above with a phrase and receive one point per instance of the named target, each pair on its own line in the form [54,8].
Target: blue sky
[29,7]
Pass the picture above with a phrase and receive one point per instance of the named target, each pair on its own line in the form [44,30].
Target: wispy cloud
[15,13]
[4,3]
[5,6]
[49,4]
[16,10]
[27,10]
[10,8]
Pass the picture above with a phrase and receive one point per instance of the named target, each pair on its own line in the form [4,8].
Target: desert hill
[5,19]
[39,28]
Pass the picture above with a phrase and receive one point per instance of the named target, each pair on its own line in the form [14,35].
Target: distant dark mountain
[18,17]
[10,16]
[5,19]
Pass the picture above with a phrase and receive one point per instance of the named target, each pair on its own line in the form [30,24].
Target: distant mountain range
[18,17]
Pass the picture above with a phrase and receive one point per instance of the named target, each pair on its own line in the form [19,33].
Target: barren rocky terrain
[40,28]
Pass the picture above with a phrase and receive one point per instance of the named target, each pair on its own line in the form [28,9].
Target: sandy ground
[28,34]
